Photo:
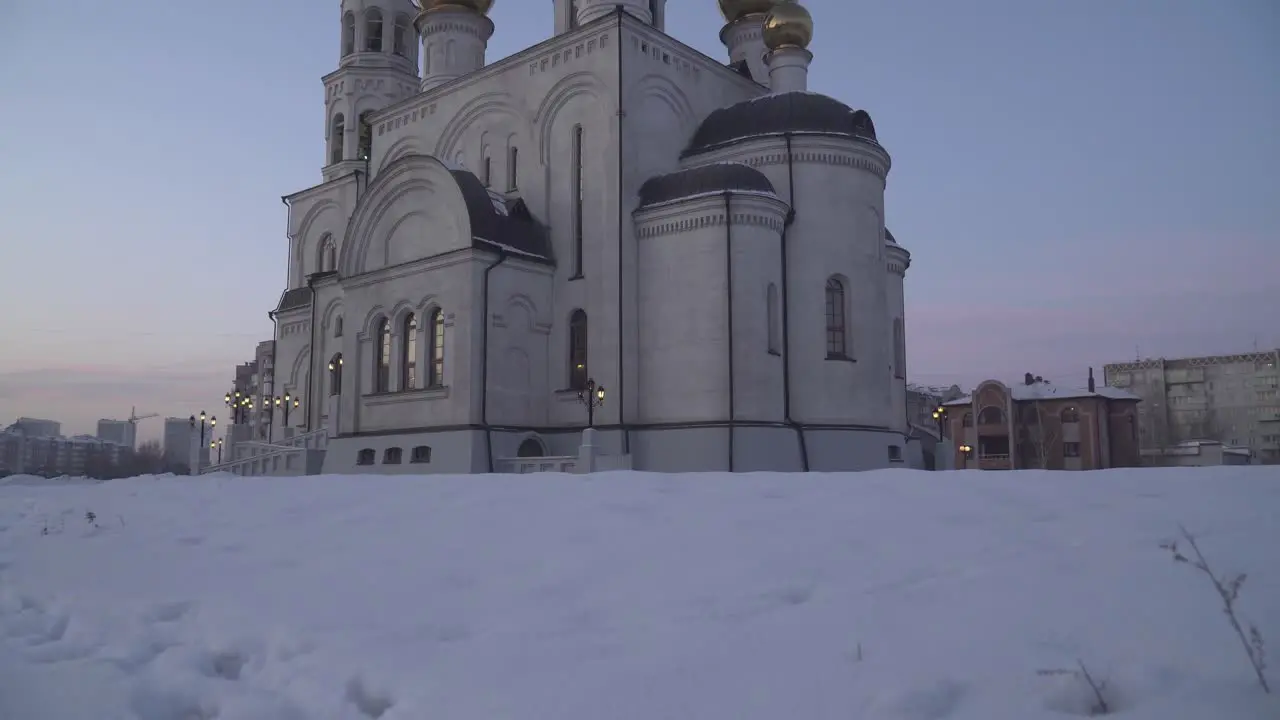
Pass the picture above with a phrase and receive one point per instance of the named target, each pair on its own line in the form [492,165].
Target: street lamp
[286,402]
[593,397]
[216,444]
[203,418]
[966,451]
[239,403]
[940,417]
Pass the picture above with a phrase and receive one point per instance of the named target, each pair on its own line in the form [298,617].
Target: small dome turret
[738,9]
[788,25]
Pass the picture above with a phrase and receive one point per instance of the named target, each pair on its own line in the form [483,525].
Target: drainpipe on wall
[484,358]
[728,269]
[622,393]
[786,334]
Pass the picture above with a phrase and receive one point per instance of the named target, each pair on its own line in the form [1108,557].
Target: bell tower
[568,16]
[743,36]
[377,66]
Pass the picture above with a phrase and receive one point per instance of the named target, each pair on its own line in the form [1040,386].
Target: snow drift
[628,596]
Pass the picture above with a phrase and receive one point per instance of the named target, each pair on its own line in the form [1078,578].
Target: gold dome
[481,6]
[788,25]
[738,9]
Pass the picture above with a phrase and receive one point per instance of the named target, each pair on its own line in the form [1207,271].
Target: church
[689,253]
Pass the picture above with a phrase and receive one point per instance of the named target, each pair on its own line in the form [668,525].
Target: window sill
[841,358]
[567,395]
[401,396]
[775,353]
[577,276]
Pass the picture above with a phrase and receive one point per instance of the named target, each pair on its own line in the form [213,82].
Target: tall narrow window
[436,348]
[573,14]
[336,134]
[373,30]
[348,33]
[365,147]
[578,191]
[335,375]
[513,168]
[837,342]
[578,350]
[653,11]
[899,349]
[773,320]
[400,41]
[382,360]
[487,169]
[328,254]
[409,357]
[337,327]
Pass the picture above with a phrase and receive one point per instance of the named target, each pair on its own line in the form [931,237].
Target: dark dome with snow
[792,112]
[703,180]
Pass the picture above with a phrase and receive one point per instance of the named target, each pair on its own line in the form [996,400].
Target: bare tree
[1039,435]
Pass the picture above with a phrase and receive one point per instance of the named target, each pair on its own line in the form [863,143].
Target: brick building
[1044,426]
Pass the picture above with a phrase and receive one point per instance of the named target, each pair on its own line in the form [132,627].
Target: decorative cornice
[692,221]
[806,149]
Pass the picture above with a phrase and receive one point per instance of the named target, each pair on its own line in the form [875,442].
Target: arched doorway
[531,448]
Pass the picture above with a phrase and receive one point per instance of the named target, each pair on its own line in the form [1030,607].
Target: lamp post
[239,403]
[940,417]
[216,444]
[212,422]
[283,403]
[593,397]
[965,452]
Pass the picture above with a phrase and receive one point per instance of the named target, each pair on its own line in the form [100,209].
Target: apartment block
[1230,399]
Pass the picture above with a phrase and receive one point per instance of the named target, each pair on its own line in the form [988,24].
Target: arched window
[328,254]
[486,165]
[1070,415]
[373,30]
[365,147]
[337,326]
[837,340]
[392,456]
[336,134]
[348,33]
[530,448]
[382,357]
[335,375]
[513,168]
[573,14]
[653,11]
[773,320]
[409,354]
[899,349]
[991,415]
[400,41]
[435,348]
[578,350]
[967,421]
[578,191]
[365,457]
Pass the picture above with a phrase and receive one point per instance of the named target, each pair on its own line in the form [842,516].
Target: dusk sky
[1077,180]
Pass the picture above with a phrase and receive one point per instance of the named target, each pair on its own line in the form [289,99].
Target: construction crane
[134,417]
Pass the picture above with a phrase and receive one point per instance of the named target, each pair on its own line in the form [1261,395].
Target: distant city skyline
[1080,183]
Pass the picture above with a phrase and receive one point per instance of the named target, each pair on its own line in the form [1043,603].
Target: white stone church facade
[703,239]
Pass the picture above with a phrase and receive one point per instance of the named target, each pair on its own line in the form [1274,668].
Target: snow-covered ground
[624,596]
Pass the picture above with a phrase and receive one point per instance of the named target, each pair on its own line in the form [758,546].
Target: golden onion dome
[788,25]
[481,6]
[738,9]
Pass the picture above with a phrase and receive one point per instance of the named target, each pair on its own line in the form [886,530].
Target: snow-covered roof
[1022,392]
